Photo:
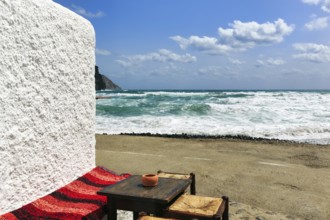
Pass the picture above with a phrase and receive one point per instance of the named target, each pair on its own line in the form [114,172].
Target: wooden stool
[199,207]
[180,176]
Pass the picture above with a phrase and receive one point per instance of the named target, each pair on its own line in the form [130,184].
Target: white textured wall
[47,99]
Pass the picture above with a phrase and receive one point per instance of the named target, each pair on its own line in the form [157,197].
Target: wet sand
[263,179]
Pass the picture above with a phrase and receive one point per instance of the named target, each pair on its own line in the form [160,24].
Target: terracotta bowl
[149,179]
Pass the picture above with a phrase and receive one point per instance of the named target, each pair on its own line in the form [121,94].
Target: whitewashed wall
[47,99]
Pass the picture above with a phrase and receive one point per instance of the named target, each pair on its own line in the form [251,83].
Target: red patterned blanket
[77,200]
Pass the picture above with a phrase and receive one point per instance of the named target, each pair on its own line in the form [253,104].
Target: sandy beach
[263,179]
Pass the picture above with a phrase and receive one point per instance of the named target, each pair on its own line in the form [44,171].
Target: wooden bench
[76,200]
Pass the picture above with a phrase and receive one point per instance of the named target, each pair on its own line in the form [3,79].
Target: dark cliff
[103,82]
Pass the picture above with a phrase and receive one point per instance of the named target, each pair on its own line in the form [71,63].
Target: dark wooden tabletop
[132,188]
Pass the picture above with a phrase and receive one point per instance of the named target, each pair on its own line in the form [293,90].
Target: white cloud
[162,55]
[239,37]
[276,62]
[102,52]
[218,71]
[293,72]
[325,4]
[209,45]
[236,61]
[80,10]
[271,62]
[249,34]
[317,23]
[163,70]
[212,70]
[123,63]
[311,2]
[318,53]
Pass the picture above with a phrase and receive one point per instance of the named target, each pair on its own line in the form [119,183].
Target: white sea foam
[297,116]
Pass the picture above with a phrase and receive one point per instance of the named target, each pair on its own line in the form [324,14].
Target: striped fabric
[77,200]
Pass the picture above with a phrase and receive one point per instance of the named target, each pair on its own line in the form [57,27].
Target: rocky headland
[102,82]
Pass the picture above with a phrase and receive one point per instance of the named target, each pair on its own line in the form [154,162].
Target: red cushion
[76,200]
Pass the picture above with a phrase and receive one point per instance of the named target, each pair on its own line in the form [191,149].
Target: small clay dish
[149,180]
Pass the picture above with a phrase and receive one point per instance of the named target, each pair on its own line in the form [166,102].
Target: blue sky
[211,44]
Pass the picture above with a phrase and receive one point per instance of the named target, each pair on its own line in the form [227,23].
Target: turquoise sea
[301,116]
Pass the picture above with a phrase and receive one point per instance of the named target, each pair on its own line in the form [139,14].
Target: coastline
[269,180]
[220,137]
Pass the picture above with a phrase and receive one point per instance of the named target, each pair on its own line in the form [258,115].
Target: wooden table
[131,195]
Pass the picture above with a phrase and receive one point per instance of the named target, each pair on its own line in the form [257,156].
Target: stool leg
[225,215]
[193,184]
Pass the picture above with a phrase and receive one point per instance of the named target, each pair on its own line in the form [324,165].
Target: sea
[299,116]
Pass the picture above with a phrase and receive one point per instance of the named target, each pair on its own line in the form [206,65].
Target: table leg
[112,210]
[159,211]
[135,215]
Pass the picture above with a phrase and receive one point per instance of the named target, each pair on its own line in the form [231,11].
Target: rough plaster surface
[47,99]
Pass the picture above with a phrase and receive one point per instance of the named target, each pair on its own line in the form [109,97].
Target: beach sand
[263,179]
